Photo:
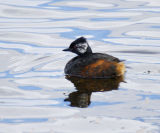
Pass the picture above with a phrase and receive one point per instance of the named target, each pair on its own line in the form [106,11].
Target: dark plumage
[92,65]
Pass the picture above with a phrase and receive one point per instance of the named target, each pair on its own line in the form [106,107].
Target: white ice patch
[82,47]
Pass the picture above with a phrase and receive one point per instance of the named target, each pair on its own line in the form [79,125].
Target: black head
[79,46]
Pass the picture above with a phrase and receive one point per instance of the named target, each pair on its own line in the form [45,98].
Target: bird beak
[67,49]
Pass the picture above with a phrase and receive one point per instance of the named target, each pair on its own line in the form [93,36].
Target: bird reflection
[85,87]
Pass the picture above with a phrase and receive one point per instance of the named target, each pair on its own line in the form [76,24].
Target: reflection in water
[79,99]
[85,87]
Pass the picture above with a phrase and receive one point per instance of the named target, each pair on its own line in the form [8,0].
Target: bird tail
[120,69]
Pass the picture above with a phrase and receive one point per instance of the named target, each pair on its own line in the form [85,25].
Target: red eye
[75,47]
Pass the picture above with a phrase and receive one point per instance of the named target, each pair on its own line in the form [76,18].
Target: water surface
[32,82]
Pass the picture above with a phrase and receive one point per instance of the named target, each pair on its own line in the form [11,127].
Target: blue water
[33,35]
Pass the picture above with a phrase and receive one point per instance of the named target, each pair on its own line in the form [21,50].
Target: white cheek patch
[82,47]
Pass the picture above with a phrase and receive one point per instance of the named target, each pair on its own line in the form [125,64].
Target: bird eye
[75,47]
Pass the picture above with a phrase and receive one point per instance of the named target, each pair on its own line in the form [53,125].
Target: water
[32,82]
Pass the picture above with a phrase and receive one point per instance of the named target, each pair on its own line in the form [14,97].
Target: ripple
[152,34]
[22,2]
[93,124]
[154,3]
[27,102]
[86,4]
[152,20]
[35,112]
[45,82]
[25,120]
[134,41]
[96,124]
[33,87]
[31,39]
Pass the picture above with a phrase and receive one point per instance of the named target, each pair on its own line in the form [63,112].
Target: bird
[92,65]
